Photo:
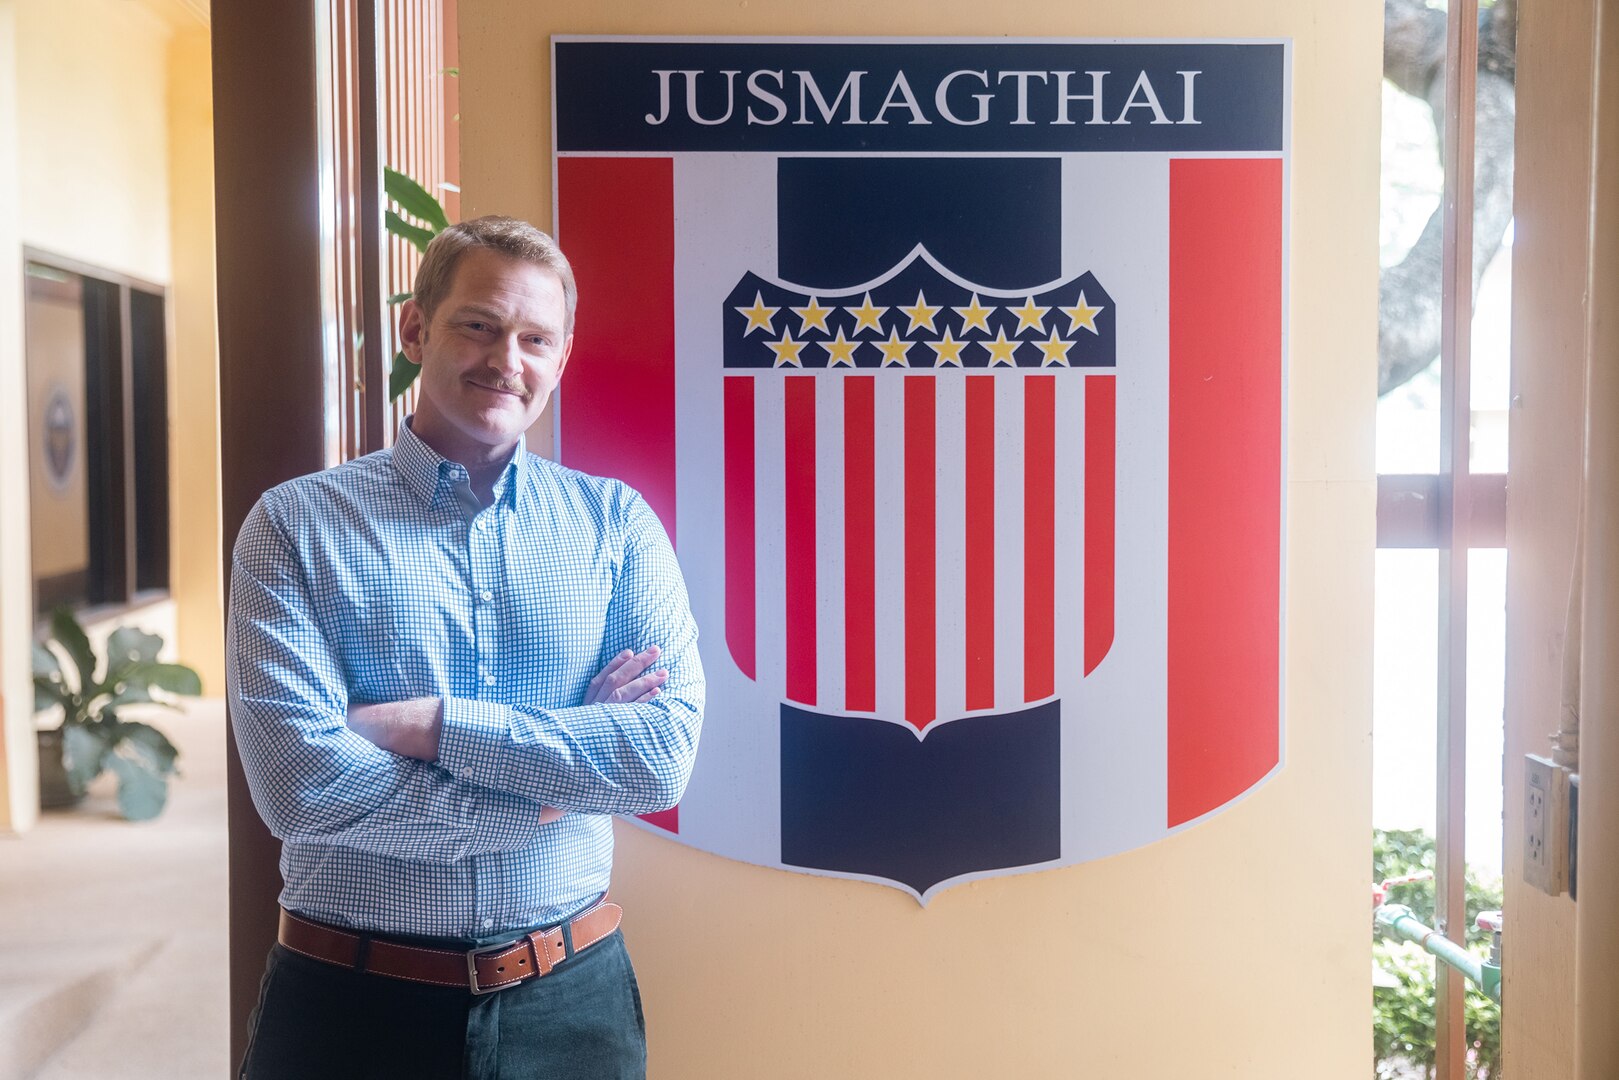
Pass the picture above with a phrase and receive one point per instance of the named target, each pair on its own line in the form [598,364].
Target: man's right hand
[628,678]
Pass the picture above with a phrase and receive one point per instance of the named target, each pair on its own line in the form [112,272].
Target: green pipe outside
[1399,920]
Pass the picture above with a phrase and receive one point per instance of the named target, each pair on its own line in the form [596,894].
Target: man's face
[491,355]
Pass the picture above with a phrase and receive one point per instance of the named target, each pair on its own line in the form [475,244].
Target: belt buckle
[472,968]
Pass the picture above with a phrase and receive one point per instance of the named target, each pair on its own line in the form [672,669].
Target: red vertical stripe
[1100,441]
[616,222]
[1225,402]
[798,486]
[979,447]
[615,218]
[740,589]
[1039,535]
[921,556]
[859,544]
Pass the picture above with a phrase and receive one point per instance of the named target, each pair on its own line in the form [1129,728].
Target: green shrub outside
[1403,1015]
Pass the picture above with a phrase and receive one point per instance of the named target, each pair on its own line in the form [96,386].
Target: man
[450,662]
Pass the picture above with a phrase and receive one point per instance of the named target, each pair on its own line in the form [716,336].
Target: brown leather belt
[482,971]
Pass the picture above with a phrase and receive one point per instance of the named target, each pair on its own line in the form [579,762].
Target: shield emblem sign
[954,372]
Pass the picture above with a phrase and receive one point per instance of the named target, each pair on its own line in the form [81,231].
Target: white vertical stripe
[1068,583]
[770,523]
[1121,706]
[725,225]
[950,420]
[829,603]
[888,443]
[1009,543]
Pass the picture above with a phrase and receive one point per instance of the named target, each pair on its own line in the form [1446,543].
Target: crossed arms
[442,778]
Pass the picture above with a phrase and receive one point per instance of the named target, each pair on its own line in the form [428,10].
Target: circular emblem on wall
[61,437]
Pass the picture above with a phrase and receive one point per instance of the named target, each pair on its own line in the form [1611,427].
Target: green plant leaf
[403,374]
[155,746]
[128,645]
[129,693]
[84,752]
[45,663]
[141,791]
[400,297]
[48,694]
[67,632]
[175,678]
[413,234]
[414,199]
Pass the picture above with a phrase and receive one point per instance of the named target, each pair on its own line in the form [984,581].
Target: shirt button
[487,923]
[486,596]
[483,524]
[489,678]
[466,772]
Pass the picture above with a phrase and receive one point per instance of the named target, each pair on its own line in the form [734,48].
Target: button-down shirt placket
[386,579]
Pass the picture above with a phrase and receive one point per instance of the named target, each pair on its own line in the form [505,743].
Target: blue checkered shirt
[384,579]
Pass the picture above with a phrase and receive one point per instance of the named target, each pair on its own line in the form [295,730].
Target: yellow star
[974,314]
[947,350]
[1081,314]
[787,350]
[840,350]
[1029,317]
[920,313]
[758,315]
[1001,350]
[894,349]
[813,314]
[866,316]
[1054,350]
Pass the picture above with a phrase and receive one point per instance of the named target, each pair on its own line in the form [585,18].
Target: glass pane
[1405,689]
[1486,687]
[1494,117]
[1486,748]
[1404,734]
[1408,342]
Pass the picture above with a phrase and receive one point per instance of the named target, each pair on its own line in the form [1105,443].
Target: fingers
[644,688]
[595,688]
[626,679]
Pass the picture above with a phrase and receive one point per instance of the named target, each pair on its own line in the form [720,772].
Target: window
[1441,453]
[97,358]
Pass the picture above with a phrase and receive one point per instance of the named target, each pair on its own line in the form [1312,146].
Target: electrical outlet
[1545,825]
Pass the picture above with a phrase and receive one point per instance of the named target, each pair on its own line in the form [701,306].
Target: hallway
[140,910]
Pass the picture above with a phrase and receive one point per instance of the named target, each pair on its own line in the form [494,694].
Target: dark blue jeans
[317,1020]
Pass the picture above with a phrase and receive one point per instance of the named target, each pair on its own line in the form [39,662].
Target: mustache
[510,386]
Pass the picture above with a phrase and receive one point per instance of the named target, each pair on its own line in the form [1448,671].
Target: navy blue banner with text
[899,96]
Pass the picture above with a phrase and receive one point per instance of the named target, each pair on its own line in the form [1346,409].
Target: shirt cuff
[472,741]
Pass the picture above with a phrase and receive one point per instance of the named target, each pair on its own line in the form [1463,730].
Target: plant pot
[54,792]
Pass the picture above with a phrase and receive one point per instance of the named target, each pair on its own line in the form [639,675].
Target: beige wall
[106,157]
[19,783]
[1238,948]
[94,133]
[196,574]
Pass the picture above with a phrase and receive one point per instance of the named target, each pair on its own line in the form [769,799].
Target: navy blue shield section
[977,794]
[863,795]
[1092,347]
[841,221]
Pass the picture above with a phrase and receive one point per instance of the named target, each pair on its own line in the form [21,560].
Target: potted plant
[93,737]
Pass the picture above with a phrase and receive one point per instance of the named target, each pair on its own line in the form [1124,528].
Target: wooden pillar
[270,393]
[1596,931]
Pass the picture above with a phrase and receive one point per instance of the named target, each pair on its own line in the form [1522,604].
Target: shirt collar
[427,472]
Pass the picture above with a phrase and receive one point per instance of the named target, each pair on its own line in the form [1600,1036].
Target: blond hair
[507,236]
